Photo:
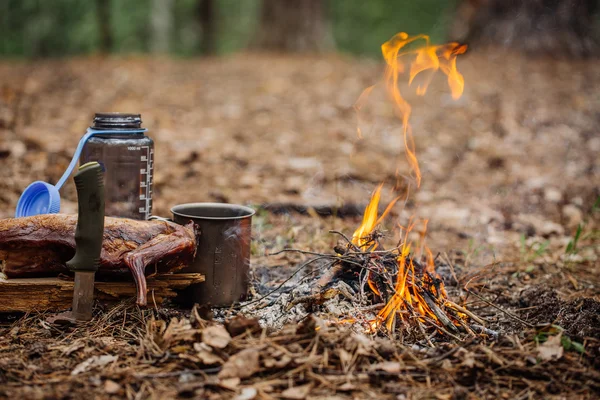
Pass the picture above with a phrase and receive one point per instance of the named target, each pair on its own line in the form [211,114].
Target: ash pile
[372,289]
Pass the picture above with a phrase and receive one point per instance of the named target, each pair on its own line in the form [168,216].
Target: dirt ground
[510,171]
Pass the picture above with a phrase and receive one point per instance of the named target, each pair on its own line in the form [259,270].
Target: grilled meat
[41,245]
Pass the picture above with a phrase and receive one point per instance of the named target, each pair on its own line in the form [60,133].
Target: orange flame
[411,286]
[362,235]
[429,59]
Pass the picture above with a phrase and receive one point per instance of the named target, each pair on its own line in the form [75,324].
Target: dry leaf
[273,362]
[551,349]
[297,392]
[216,336]
[66,350]
[93,362]
[241,365]
[111,387]
[240,324]
[205,354]
[178,330]
[230,383]
[208,358]
[346,387]
[248,393]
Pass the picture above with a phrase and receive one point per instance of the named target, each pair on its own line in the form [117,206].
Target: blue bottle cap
[39,198]
[44,198]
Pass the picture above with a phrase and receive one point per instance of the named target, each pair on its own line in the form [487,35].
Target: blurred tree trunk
[103,13]
[206,17]
[558,27]
[161,23]
[293,26]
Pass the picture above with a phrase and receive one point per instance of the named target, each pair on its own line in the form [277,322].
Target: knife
[88,238]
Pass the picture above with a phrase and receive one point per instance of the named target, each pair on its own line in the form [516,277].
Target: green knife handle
[90,219]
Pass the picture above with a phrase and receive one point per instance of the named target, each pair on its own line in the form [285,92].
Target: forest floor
[510,171]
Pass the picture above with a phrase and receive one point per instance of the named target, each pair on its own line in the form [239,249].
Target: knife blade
[89,181]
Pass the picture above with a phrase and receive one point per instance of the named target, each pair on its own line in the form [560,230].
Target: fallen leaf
[240,324]
[346,387]
[230,383]
[66,350]
[241,365]
[551,349]
[282,362]
[216,336]
[205,354]
[178,330]
[248,393]
[93,362]
[111,387]
[297,392]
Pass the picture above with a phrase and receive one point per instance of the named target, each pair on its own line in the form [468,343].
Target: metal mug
[223,252]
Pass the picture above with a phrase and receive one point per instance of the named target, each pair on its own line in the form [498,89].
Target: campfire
[411,289]
[394,289]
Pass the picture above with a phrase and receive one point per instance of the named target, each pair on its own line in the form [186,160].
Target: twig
[483,329]
[305,264]
[347,240]
[500,309]
[313,253]
[179,373]
[438,312]
[451,266]
[465,311]
[439,359]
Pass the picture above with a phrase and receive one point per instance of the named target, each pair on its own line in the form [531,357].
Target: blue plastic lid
[39,198]
[44,198]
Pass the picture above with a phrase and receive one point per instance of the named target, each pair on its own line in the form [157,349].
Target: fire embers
[413,295]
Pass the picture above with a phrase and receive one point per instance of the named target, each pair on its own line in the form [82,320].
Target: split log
[55,294]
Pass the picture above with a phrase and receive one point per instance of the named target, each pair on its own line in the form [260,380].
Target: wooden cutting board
[56,294]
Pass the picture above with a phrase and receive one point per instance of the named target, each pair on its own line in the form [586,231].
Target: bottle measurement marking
[146,184]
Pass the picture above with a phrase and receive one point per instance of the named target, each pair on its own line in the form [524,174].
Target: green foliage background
[49,28]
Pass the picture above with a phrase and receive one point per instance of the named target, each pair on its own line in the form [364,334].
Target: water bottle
[127,156]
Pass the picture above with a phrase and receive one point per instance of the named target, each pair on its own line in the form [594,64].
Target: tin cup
[222,255]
